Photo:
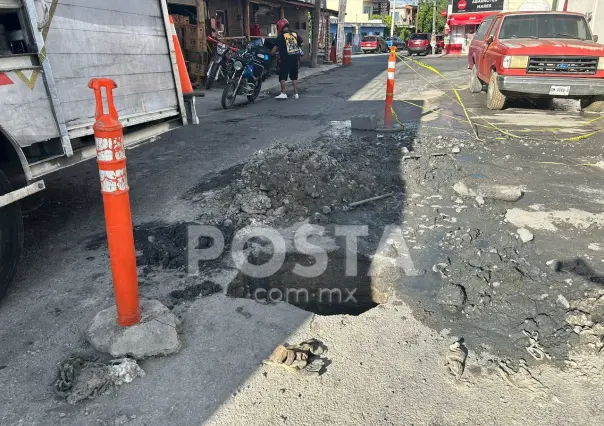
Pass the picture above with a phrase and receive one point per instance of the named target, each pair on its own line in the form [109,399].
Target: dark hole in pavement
[331,293]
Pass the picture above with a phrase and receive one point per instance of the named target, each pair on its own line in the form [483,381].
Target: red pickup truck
[543,55]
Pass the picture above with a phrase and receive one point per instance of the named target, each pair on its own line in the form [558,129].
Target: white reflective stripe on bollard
[106,147]
[113,181]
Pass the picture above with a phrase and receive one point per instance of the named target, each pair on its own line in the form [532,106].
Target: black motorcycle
[219,66]
[250,69]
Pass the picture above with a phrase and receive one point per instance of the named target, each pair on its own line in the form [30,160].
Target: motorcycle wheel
[211,76]
[229,95]
[257,90]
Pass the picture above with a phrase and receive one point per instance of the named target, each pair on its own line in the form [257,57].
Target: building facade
[237,21]
[357,22]
[464,16]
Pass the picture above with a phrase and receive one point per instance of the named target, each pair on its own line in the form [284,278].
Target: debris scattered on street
[495,192]
[81,377]
[534,348]
[525,235]
[521,379]
[563,301]
[368,200]
[456,359]
[302,358]
[417,157]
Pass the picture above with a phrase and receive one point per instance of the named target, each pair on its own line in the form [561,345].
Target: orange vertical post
[185,80]
[111,158]
[390,88]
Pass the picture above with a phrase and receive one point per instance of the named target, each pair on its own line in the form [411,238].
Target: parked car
[396,42]
[419,44]
[543,55]
[373,44]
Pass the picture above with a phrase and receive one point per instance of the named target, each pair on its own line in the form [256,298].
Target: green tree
[425,16]
[386,19]
[404,33]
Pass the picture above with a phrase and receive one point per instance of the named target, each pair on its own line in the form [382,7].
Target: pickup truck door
[478,42]
[484,69]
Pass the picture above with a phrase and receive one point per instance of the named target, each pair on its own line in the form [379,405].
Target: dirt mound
[288,181]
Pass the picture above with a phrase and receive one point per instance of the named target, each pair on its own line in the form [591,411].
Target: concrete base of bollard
[364,122]
[394,129]
[155,335]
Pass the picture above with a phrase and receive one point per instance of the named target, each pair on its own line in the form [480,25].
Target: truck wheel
[475,83]
[11,237]
[592,104]
[495,99]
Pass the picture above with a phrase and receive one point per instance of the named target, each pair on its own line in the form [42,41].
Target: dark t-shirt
[287,41]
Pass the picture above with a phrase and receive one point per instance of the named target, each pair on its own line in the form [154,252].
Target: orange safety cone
[111,158]
[390,88]
[185,81]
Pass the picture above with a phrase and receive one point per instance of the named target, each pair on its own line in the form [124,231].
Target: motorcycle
[219,66]
[250,69]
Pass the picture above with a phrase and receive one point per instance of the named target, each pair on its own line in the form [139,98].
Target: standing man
[289,46]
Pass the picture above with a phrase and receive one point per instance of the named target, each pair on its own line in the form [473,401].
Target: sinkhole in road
[333,292]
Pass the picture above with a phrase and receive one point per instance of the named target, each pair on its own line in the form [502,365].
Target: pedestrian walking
[289,46]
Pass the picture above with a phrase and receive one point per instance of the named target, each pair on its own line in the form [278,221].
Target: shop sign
[460,6]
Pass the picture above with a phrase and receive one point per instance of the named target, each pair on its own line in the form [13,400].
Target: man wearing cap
[289,47]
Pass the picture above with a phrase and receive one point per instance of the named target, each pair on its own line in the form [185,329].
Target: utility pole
[419,5]
[393,6]
[554,5]
[433,38]
[316,24]
[434,17]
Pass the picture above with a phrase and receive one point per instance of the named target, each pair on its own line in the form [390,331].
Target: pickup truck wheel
[11,238]
[544,103]
[475,83]
[495,99]
[592,104]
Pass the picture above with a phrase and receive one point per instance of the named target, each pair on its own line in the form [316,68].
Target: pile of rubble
[587,318]
[287,181]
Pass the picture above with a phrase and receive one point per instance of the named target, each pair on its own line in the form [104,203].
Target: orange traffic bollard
[111,158]
[347,60]
[185,80]
[390,88]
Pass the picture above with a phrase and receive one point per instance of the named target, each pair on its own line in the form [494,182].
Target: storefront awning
[471,18]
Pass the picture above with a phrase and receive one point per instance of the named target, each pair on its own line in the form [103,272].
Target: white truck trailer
[49,51]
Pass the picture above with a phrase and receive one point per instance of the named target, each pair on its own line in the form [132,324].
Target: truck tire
[495,99]
[11,238]
[592,104]
[475,83]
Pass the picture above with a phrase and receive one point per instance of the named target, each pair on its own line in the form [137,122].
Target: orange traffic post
[390,89]
[347,60]
[111,158]
[185,80]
